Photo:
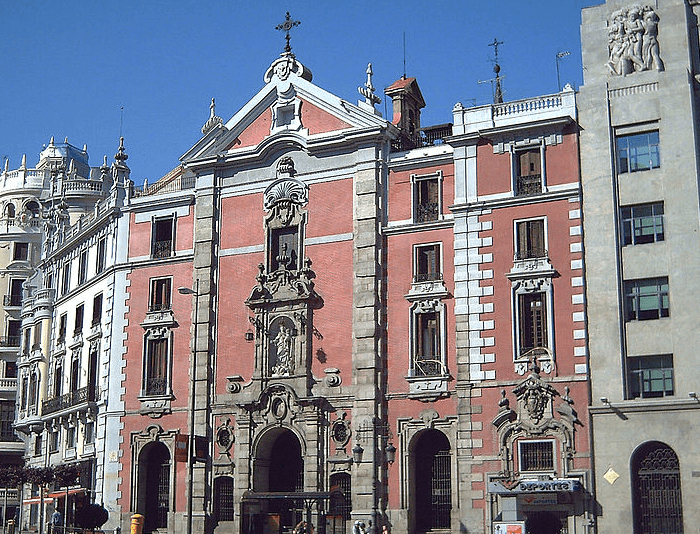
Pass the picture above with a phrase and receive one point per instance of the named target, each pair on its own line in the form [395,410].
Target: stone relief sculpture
[633,41]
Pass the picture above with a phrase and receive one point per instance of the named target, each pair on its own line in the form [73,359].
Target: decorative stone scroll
[633,41]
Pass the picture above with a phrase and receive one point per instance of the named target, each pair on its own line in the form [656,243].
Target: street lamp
[559,56]
[190,444]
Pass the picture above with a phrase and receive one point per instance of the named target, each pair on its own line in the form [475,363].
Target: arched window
[33,207]
[10,210]
[433,481]
[656,486]
[223,499]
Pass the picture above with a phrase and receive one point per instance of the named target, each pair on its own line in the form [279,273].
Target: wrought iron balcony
[12,300]
[531,253]
[427,277]
[528,185]
[428,136]
[427,211]
[162,249]
[156,387]
[67,400]
[10,341]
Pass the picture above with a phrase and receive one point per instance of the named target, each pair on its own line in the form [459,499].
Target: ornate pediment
[535,397]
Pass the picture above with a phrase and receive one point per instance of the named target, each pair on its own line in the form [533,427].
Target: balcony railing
[67,400]
[162,186]
[162,249]
[428,136]
[10,341]
[528,185]
[158,306]
[156,386]
[531,253]
[427,212]
[12,300]
[427,277]
[8,384]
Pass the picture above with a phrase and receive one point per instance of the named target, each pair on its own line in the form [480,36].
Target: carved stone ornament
[534,395]
[340,431]
[286,188]
[285,66]
[225,436]
[633,41]
[282,347]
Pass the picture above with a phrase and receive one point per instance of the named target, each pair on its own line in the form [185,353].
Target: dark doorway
[155,461]
[433,486]
[286,475]
[542,523]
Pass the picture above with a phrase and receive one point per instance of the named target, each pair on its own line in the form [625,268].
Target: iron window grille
[646,299]
[156,379]
[536,455]
[642,224]
[638,152]
[224,503]
[656,486]
[163,237]
[532,327]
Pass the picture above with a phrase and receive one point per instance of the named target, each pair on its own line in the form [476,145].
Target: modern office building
[638,112]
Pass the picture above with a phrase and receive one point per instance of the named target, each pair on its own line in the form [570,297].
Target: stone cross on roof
[287,25]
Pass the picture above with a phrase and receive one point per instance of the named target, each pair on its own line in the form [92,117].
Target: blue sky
[68,67]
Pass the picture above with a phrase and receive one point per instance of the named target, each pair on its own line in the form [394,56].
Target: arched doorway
[432,478]
[656,489]
[154,475]
[279,468]
[542,523]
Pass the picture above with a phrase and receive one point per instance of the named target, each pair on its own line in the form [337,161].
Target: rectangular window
[7,418]
[536,455]
[528,172]
[427,263]
[532,309]
[15,296]
[89,432]
[101,255]
[284,248]
[643,223]
[427,344]
[156,369]
[62,327]
[10,369]
[163,237]
[55,439]
[426,198]
[530,239]
[37,336]
[638,152]
[21,252]
[650,376]
[646,299]
[38,444]
[14,333]
[82,267]
[65,278]
[160,294]
[70,437]
[97,310]
[79,316]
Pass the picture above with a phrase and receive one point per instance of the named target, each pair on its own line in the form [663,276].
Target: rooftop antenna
[404,54]
[558,58]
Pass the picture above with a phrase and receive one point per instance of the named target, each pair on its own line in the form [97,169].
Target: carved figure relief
[633,41]
[281,349]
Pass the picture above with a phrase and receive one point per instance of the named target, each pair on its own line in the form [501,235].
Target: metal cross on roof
[287,25]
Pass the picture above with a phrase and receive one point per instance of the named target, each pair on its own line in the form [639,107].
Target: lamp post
[190,443]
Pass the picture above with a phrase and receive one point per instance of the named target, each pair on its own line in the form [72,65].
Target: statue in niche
[633,41]
[284,363]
